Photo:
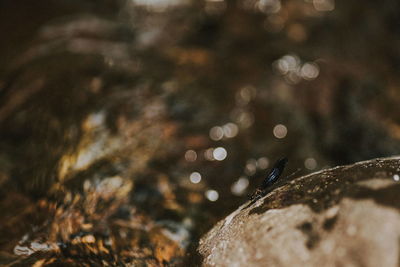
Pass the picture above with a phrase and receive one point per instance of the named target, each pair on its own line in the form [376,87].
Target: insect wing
[272,177]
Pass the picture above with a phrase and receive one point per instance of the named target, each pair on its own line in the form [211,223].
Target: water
[107,110]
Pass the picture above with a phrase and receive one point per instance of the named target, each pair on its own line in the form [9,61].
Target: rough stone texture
[344,216]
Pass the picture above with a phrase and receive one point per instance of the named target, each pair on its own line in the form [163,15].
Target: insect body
[271,178]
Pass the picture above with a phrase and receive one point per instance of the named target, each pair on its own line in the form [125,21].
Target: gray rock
[344,216]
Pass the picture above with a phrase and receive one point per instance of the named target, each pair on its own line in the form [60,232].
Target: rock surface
[344,216]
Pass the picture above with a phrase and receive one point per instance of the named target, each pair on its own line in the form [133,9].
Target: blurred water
[179,107]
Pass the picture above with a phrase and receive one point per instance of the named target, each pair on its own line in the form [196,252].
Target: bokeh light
[251,167]
[324,5]
[230,130]
[212,195]
[239,187]
[190,155]
[209,154]
[280,131]
[263,163]
[195,177]
[216,133]
[309,71]
[310,163]
[220,153]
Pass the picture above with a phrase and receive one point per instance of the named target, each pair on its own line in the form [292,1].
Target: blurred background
[128,128]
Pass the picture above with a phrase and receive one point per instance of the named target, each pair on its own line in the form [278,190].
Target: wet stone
[332,217]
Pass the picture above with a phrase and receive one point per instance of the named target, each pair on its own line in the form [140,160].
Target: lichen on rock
[344,216]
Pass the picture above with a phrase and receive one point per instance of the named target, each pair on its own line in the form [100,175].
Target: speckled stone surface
[344,216]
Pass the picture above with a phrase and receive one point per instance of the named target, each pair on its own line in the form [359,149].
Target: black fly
[271,178]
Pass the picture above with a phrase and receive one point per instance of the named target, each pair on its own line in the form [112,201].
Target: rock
[344,216]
